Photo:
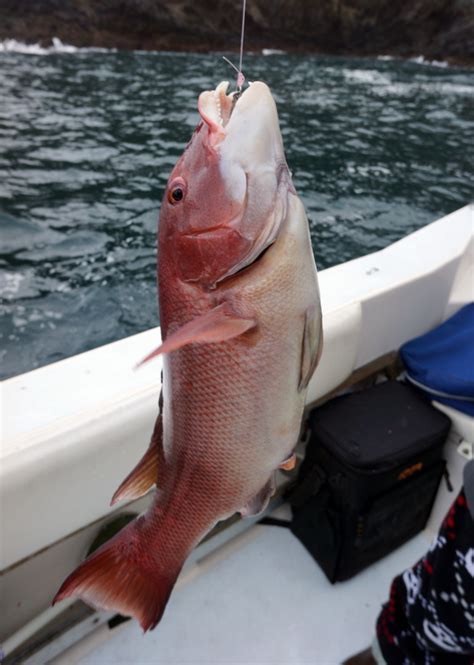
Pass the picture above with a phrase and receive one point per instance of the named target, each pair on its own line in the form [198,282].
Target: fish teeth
[219,108]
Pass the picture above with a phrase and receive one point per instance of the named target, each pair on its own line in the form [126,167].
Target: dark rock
[437,29]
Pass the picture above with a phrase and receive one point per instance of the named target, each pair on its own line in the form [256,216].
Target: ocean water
[377,147]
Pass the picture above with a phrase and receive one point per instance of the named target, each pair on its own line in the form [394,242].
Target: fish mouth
[216,106]
[243,126]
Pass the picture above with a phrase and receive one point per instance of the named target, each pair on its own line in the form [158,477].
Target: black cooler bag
[369,478]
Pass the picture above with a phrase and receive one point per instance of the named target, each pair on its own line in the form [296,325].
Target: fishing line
[240,77]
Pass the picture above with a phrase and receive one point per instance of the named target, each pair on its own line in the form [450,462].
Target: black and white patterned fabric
[429,618]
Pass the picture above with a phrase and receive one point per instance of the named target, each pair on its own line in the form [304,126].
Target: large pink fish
[241,324]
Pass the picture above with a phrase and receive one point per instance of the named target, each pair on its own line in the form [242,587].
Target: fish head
[225,200]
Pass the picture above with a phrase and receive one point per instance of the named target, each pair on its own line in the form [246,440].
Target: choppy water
[378,148]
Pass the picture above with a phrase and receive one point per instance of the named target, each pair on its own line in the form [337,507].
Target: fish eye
[176,191]
[177,194]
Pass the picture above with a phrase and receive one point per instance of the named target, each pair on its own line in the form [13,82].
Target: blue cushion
[442,361]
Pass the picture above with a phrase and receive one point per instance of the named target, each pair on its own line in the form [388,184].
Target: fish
[241,330]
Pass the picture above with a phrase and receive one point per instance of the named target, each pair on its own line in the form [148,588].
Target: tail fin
[125,576]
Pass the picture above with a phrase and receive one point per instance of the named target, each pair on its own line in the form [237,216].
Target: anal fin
[145,474]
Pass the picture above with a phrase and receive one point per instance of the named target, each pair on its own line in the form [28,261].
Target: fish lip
[217,106]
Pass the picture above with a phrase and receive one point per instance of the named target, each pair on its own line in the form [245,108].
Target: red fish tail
[125,575]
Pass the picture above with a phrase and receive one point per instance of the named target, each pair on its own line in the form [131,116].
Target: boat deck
[260,599]
[253,595]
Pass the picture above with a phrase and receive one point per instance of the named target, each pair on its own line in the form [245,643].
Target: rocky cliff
[438,29]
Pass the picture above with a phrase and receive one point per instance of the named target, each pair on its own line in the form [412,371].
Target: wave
[421,60]
[57,46]
[429,87]
[368,76]
[272,51]
[383,84]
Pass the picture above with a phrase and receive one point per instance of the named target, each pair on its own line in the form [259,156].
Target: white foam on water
[272,51]
[12,46]
[368,76]
[448,88]
[421,60]
[403,89]
[57,46]
[10,283]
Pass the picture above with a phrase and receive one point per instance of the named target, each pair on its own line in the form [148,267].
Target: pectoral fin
[217,325]
[145,474]
[312,345]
